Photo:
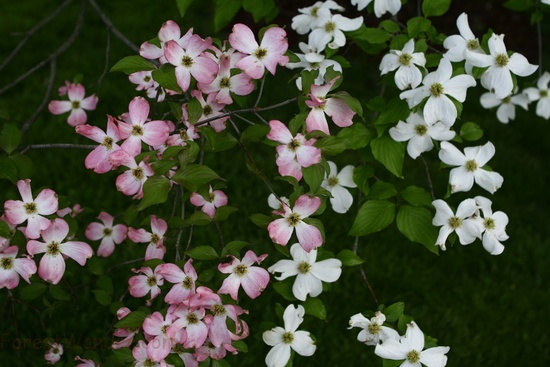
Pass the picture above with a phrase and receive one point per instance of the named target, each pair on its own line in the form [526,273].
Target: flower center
[138,173]
[374,328]
[421,129]
[187,283]
[241,270]
[304,267]
[489,223]
[207,110]
[314,11]
[543,93]
[413,356]
[405,59]
[225,82]
[192,319]
[455,222]
[218,310]
[330,27]
[471,165]
[151,281]
[149,363]
[155,238]
[294,144]
[183,134]
[293,219]
[288,337]
[137,130]
[107,231]
[436,89]
[187,61]
[507,100]
[260,53]
[472,45]
[75,105]
[53,248]
[30,208]
[333,181]
[6,263]
[107,142]
[501,60]
[147,78]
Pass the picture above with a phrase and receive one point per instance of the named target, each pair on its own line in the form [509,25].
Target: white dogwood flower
[541,94]
[506,110]
[335,183]
[469,168]
[284,339]
[457,45]
[374,332]
[437,86]
[331,33]
[381,7]
[408,75]
[314,16]
[466,227]
[494,226]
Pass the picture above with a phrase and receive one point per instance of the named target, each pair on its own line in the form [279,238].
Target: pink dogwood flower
[155,238]
[52,264]
[320,105]
[183,280]
[53,355]
[31,210]
[77,104]
[170,31]
[131,181]
[210,108]
[98,159]
[126,333]
[267,55]
[148,281]
[295,152]
[136,128]
[190,320]
[11,268]
[253,279]
[216,199]
[85,362]
[108,233]
[156,326]
[142,358]
[309,236]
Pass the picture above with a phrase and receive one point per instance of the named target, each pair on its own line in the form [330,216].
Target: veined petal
[309,236]
[328,270]
[278,356]
[450,155]
[498,80]
[138,110]
[490,181]
[77,250]
[519,65]
[274,336]
[303,344]
[414,337]
[306,284]
[461,179]
[440,109]
[280,231]
[345,177]
[51,268]
[485,153]
[242,39]
[442,214]
[434,357]
[279,132]
[391,349]
[293,317]
[287,268]
[306,205]
[457,86]
[341,199]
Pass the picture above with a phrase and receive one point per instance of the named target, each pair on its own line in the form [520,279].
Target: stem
[363,274]
[260,92]
[125,263]
[62,146]
[180,231]
[45,101]
[429,177]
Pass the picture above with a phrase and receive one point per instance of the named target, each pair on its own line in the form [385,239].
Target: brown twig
[45,101]
[61,146]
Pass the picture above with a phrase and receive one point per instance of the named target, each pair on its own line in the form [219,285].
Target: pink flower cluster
[198,324]
[77,103]
[44,235]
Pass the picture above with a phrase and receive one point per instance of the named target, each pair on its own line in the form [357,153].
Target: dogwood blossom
[463,222]
[147,281]
[541,94]
[335,183]
[381,7]
[494,226]
[31,210]
[54,353]
[155,238]
[469,168]
[131,181]
[498,77]
[419,134]
[331,33]
[183,280]
[506,110]
[410,348]
[374,332]
[108,233]
[408,75]
[457,45]
[437,86]
[77,104]
[313,59]
[284,339]
[309,273]
[309,236]
[267,55]
[52,264]
[216,199]
[98,159]
[314,16]
[11,268]
[253,279]
[170,31]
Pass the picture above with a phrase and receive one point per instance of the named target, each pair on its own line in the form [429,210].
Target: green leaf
[261,220]
[391,363]
[5,230]
[519,5]
[240,346]
[224,12]
[373,216]
[261,9]
[349,258]
[233,248]
[203,253]
[255,133]
[25,167]
[102,297]
[32,291]
[371,35]
[206,275]
[223,212]
[382,190]
[10,137]
[331,145]
[165,75]
[434,8]
[174,360]
[155,191]
[314,175]
[394,312]
[193,176]
[8,169]
[395,110]
[197,219]
[95,265]
[390,26]
[182,6]
[471,131]
[194,110]
[57,292]
[123,355]
[284,288]
[217,142]
[315,307]
[416,224]
[402,323]
[355,136]
[297,121]
[417,25]
[390,153]
[361,176]
[132,320]
[416,196]
[105,283]
[132,64]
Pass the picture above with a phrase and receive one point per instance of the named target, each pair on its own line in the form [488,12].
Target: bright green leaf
[314,175]
[349,258]
[133,320]
[390,153]
[382,190]
[233,248]
[218,142]
[284,288]
[394,312]
[315,307]
[132,64]
[355,136]
[155,191]
[197,219]
[165,75]
[416,224]
[194,175]
[203,253]
[373,216]
[434,8]
[416,196]
[471,131]
[261,220]
[10,137]
[223,212]
[417,25]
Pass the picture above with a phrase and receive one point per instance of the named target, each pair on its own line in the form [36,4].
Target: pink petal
[51,268]
[59,107]
[242,39]
[309,236]
[46,202]
[279,132]
[76,92]
[138,110]
[77,117]
[155,133]
[89,103]
[280,231]
[255,281]
[77,250]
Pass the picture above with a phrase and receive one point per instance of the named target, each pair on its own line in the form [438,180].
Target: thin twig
[363,274]
[260,92]
[32,31]
[429,177]
[45,101]
[54,55]
[106,67]
[125,263]
[220,234]
[61,146]
[180,231]
[112,27]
